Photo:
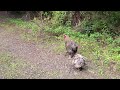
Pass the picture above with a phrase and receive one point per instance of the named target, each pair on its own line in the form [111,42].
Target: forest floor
[27,59]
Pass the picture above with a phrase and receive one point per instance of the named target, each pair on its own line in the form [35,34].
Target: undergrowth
[25,24]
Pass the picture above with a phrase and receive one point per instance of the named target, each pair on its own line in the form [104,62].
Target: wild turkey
[70,45]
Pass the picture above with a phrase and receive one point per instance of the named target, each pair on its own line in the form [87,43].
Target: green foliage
[58,30]
[57,26]
[117,42]
[96,35]
[25,25]
[95,25]
[114,18]
[58,17]
[109,40]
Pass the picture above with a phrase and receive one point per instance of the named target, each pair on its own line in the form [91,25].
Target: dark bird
[70,45]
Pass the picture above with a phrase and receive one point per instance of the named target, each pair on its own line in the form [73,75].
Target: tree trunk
[76,17]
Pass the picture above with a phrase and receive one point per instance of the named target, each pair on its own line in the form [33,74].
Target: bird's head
[64,36]
[78,46]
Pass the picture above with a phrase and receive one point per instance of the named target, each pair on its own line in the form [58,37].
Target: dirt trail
[43,59]
[42,63]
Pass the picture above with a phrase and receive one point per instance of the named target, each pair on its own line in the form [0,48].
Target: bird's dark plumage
[71,46]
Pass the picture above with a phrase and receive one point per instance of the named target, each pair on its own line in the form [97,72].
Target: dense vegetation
[97,32]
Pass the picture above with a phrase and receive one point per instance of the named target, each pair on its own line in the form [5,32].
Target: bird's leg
[72,55]
[67,54]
